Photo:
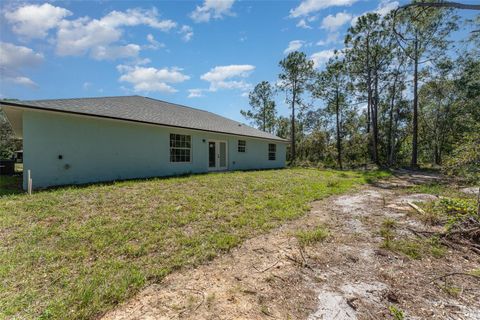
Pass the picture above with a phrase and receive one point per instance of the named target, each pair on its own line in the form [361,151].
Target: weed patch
[309,237]
[413,248]
[396,313]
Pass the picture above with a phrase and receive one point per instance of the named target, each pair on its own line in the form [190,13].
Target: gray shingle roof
[148,110]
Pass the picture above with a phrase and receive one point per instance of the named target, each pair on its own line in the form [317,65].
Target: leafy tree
[282,127]
[422,33]
[263,111]
[465,159]
[438,97]
[297,73]
[8,143]
[368,53]
[331,85]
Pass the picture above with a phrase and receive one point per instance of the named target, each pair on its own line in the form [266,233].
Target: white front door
[217,155]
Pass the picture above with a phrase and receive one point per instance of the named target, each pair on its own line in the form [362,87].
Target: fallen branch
[277,276]
[420,233]
[446,234]
[443,4]
[460,231]
[273,265]
[417,208]
[298,262]
[455,274]
[303,257]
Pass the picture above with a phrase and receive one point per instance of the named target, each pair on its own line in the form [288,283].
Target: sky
[206,54]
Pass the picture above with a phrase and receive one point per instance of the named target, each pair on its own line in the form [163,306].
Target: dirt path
[346,277]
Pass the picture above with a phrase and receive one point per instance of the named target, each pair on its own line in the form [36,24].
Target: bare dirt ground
[348,276]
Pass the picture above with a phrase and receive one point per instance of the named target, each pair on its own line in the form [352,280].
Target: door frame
[217,155]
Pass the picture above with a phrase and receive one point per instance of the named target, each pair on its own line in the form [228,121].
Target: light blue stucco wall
[95,149]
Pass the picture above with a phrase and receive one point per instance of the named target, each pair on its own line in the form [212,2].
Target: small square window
[242,146]
[272,151]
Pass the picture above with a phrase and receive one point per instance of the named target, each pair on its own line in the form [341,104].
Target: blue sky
[205,54]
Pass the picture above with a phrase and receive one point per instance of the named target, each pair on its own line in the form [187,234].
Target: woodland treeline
[403,92]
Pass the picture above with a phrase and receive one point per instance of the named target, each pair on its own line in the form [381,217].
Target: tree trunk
[478,201]
[339,142]
[264,116]
[293,124]
[375,121]
[436,154]
[390,123]
[369,102]
[415,106]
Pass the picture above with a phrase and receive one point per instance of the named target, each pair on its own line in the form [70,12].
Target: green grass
[74,252]
[443,189]
[309,237]
[396,313]
[475,272]
[414,248]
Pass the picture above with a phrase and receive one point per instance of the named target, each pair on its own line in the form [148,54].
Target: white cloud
[212,9]
[332,37]
[149,79]
[135,17]
[195,93]
[34,21]
[86,85]
[140,62]
[115,52]
[96,36]
[321,57]
[186,32]
[154,44]
[13,58]
[24,81]
[294,46]
[333,22]
[303,24]
[307,7]
[383,8]
[228,77]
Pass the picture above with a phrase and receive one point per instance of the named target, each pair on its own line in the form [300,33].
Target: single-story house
[75,141]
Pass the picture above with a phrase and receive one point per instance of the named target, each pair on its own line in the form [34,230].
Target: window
[242,145]
[180,148]
[272,151]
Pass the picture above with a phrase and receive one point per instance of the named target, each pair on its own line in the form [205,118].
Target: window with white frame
[180,148]
[242,146]
[272,151]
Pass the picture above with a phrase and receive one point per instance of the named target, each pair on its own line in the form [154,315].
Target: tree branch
[443,4]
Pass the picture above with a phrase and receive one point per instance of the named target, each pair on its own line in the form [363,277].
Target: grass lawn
[72,253]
